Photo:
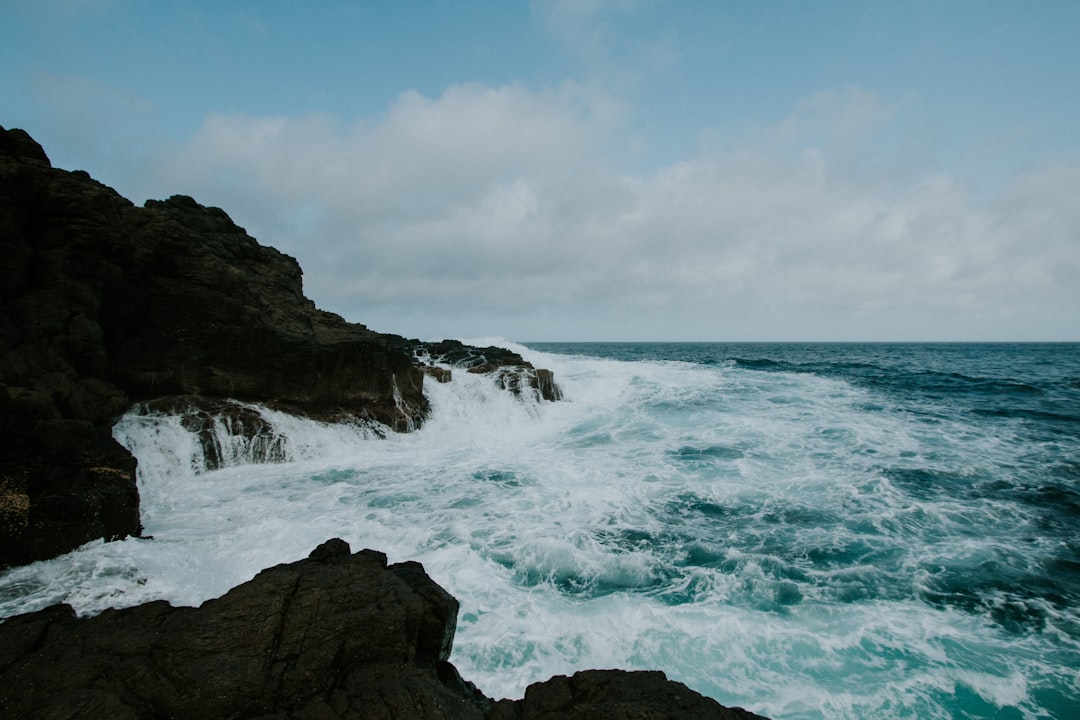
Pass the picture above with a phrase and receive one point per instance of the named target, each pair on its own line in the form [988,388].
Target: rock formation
[105,304]
[336,635]
[512,372]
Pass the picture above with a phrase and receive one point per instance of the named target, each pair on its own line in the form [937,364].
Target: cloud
[507,210]
[424,155]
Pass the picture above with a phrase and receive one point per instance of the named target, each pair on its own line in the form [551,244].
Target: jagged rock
[512,372]
[228,432]
[205,310]
[438,373]
[63,481]
[336,635]
[516,379]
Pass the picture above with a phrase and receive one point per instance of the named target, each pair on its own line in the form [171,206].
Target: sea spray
[810,531]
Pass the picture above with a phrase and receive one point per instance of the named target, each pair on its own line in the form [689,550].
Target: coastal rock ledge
[336,635]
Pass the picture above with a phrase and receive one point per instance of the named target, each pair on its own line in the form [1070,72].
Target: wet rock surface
[511,371]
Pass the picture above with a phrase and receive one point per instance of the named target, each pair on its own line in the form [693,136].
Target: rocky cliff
[336,635]
[104,304]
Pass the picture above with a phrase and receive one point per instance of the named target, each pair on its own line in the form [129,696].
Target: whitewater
[805,530]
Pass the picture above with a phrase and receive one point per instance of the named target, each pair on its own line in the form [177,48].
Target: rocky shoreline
[105,305]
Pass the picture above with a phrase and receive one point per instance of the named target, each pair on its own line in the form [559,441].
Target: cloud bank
[519,212]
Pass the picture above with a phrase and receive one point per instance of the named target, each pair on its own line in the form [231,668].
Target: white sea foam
[763,537]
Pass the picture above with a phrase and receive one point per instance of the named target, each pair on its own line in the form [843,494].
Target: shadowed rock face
[103,304]
[63,480]
[336,635]
[203,309]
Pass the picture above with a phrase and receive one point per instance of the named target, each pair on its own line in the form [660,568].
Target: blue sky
[612,170]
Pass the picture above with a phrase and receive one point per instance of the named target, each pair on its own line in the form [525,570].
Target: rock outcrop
[336,635]
[104,304]
[511,371]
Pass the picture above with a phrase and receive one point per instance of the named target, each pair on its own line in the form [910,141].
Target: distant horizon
[611,168]
[796,342]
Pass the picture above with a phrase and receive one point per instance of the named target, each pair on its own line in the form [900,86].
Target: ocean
[806,530]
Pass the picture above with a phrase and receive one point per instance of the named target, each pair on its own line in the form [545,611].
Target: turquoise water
[931,483]
[806,530]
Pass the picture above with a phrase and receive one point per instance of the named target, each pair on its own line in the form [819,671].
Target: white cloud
[423,156]
[506,211]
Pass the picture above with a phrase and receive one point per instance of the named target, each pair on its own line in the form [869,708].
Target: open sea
[806,530]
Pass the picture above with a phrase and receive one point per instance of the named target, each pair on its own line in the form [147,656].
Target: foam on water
[791,542]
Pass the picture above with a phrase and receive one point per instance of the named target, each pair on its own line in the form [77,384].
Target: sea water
[806,530]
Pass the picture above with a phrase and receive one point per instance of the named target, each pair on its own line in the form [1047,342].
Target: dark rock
[228,432]
[455,352]
[336,635]
[63,480]
[204,310]
[18,143]
[614,695]
[440,374]
[518,379]
[334,548]
[77,485]
[512,372]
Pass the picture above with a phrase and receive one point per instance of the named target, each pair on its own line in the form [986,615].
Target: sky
[624,170]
